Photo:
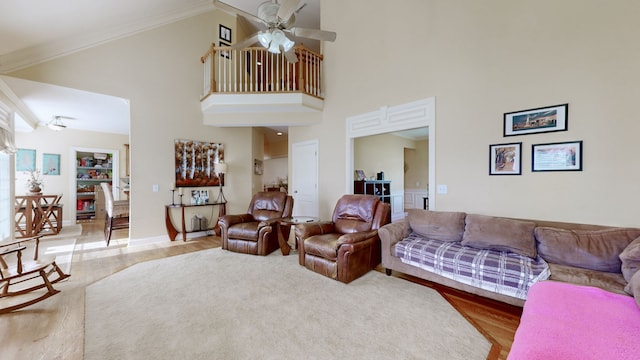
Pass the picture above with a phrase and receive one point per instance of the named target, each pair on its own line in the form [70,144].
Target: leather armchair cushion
[325,246]
[245,231]
[268,206]
[354,213]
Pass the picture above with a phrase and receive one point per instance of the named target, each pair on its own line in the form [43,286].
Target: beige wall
[374,154]
[417,159]
[481,59]
[160,73]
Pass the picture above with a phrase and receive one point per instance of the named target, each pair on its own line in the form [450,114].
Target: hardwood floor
[497,321]
[54,328]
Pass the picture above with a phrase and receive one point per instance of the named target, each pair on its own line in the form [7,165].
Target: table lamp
[220,168]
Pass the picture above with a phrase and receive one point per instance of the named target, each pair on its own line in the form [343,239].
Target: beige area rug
[215,304]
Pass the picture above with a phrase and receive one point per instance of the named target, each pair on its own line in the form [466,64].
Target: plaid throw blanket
[501,272]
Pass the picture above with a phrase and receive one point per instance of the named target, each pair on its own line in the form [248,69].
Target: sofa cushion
[502,234]
[613,282]
[587,249]
[437,225]
[630,258]
[633,287]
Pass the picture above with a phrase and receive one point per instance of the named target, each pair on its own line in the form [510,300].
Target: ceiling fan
[56,123]
[279,19]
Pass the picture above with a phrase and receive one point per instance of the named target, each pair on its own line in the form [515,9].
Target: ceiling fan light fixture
[56,127]
[56,124]
[278,40]
[265,38]
[287,44]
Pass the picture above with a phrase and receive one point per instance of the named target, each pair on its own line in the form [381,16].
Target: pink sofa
[566,322]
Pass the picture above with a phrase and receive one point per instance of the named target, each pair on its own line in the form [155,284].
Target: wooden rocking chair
[40,273]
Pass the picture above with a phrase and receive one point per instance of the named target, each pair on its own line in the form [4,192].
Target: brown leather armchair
[254,232]
[348,246]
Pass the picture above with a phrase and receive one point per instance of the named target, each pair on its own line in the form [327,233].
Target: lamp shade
[264,38]
[220,168]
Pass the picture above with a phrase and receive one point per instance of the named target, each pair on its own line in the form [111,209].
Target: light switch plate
[155,187]
[442,189]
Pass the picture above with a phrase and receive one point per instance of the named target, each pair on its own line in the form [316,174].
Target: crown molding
[34,55]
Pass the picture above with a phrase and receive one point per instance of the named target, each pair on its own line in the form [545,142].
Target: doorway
[93,166]
[304,165]
[414,115]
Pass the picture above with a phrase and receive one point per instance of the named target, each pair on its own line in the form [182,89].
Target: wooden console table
[173,232]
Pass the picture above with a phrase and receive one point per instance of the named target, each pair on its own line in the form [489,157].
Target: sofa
[501,258]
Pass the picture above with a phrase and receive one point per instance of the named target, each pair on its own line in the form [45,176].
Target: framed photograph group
[224,33]
[199,197]
[51,164]
[26,160]
[257,167]
[225,53]
[562,156]
[505,159]
[533,121]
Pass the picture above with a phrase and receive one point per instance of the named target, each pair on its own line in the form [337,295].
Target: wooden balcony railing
[255,70]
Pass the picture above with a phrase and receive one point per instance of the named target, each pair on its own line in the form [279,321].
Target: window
[5,197]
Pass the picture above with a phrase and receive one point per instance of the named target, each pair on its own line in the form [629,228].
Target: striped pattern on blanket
[501,272]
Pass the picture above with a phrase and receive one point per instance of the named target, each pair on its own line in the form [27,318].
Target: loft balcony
[253,80]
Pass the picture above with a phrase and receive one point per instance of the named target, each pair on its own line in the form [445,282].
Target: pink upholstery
[565,322]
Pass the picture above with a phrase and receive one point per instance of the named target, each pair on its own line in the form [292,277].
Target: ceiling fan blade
[235,11]
[313,34]
[246,42]
[287,8]
[291,56]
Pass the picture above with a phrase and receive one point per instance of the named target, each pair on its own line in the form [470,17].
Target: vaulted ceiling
[33,31]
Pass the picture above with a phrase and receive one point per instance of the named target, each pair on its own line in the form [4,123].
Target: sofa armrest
[390,234]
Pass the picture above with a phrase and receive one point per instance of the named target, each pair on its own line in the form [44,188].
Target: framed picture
[359,175]
[51,164]
[533,121]
[195,162]
[224,33]
[257,167]
[505,159]
[224,53]
[26,160]
[199,197]
[563,156]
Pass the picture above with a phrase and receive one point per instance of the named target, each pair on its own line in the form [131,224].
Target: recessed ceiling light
[279,133]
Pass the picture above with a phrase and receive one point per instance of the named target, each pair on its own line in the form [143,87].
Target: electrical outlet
[442,189]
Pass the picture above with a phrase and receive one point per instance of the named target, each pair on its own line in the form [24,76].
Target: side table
[285,224]
[173,232]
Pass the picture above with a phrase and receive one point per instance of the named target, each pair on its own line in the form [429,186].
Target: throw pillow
[630,258]
[633,287]
[587,249]
[502,234]
[437,225]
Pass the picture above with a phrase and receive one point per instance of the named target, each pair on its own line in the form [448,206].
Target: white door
[304,170]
